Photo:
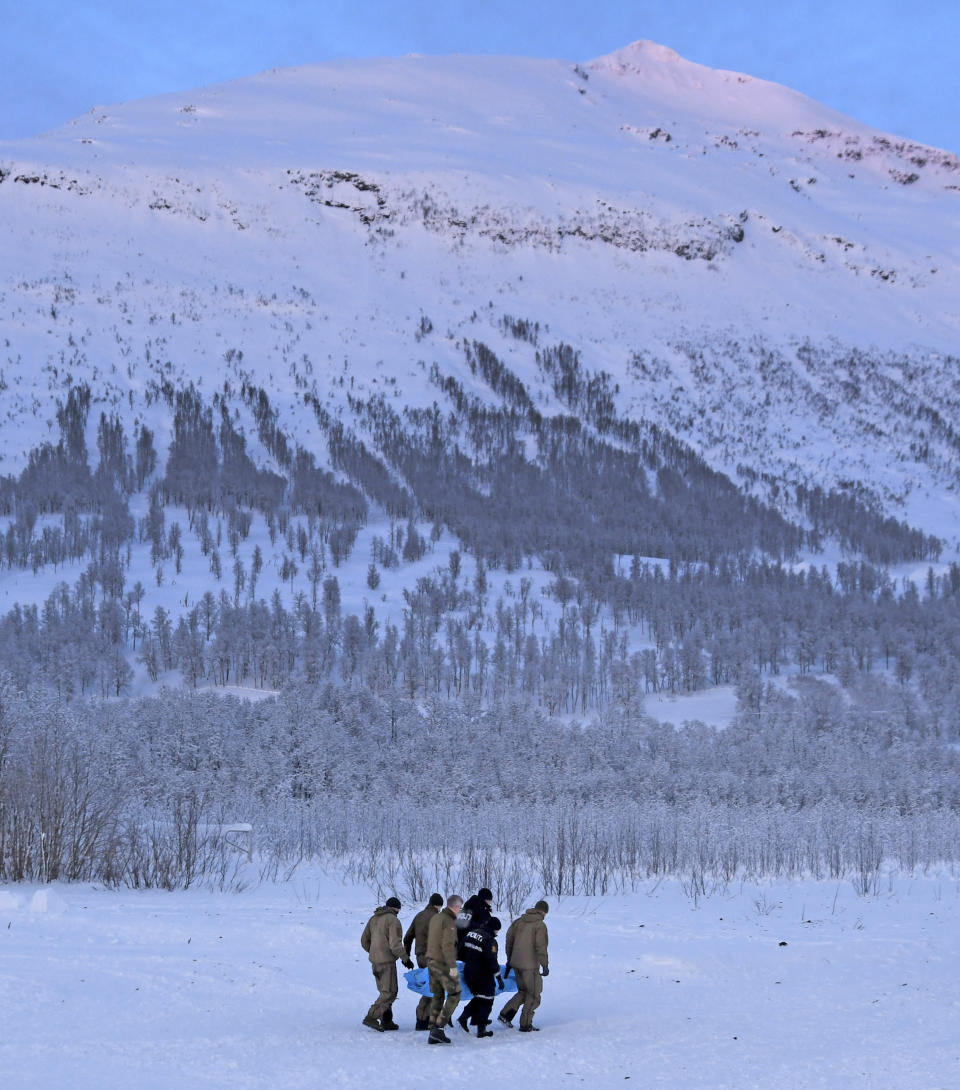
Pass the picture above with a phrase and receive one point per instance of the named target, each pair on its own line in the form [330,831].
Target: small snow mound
[47,900]
[9,901]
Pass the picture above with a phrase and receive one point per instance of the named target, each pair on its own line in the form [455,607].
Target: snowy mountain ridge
[700,235]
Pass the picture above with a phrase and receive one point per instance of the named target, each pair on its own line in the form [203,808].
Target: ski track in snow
[266,989]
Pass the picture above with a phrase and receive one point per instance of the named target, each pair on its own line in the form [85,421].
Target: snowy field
[789,986]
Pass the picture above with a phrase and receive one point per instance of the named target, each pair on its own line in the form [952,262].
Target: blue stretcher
[418,980]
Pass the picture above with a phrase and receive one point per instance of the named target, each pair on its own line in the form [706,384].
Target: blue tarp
[418,980]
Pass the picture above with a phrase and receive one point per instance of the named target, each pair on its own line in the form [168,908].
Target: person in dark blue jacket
[476,911]
[481,972]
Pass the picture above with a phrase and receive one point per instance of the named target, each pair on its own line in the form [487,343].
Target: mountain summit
[772,282]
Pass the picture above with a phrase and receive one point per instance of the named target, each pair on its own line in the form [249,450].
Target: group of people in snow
[441,935]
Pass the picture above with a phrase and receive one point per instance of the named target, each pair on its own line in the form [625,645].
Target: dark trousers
[479,1008]
[477,1011]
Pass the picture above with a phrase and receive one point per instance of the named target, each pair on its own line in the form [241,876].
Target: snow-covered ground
[716,706]
[787,986]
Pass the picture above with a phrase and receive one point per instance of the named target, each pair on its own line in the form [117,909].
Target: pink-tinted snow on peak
[657,72]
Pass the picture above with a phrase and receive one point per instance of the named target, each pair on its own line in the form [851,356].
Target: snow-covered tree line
[811,780]
[697,626]
[599,487]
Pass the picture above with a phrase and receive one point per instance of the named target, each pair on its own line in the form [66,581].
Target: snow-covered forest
[635,542]
[807,780]
[550,574]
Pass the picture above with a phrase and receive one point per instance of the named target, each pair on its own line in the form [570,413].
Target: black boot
[373,1023]
[422,1023]
[462,1022]
[438,1037]
[530,1029]
[482,1030]
[505,1020]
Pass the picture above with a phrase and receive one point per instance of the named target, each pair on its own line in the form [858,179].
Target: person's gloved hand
[545,971]
[407,963]
[506,971]
[499,983]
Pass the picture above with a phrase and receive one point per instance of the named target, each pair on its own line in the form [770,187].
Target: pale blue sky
[890,63]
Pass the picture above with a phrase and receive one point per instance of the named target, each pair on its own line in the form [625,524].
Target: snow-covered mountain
[771,281]
[448,396]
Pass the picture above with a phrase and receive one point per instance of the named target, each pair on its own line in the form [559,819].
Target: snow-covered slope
[803,986]
[771,281]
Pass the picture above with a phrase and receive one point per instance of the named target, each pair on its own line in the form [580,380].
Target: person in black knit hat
[475,912]
[527,955]
[416,938]
[382,941]
[481,972]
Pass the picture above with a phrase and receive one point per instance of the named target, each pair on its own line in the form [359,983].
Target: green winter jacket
[416,936]
[442,941]
[527,941]
[381,937]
